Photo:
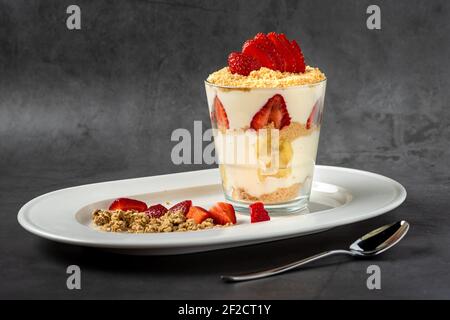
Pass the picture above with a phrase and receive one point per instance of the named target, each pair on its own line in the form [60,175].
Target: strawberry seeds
[273,51]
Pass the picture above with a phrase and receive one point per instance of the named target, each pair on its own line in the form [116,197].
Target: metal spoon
[371,244]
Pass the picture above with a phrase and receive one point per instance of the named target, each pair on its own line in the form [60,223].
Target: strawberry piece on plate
[156,211]
[223,213]
[274,111]
[242,64]
[182,206]
[126,204]
[220,115]
[258,213]
[198,214]
[300,60]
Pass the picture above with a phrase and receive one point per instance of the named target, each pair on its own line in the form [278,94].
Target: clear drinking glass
[273,163]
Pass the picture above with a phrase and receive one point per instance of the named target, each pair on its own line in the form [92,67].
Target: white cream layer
[242,105]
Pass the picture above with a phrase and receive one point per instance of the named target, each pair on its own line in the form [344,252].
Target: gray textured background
[100,104]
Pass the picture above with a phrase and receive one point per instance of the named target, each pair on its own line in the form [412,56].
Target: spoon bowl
[380,240]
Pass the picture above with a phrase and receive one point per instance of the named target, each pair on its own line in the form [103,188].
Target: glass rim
[309,85]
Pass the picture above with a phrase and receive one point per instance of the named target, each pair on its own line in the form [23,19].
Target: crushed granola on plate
[139,222]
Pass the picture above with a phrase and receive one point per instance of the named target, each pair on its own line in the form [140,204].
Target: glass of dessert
[266,110]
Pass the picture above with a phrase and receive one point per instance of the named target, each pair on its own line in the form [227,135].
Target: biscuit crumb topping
[266,78]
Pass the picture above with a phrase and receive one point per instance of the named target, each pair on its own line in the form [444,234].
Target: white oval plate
[340,196]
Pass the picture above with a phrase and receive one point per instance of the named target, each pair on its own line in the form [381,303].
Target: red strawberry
[261,118]
[273,111]
[182,206]
[300,60]
[258,213]
[254,48]
[128,204]
[156,211]
[279,114]
[283,51]
[292,62]
[270,50]
[273,51]
[284,46]
[223,213]
[198,214]
[312,115]
[220,115]
[242,63]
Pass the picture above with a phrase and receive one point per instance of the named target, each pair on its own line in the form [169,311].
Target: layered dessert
[266,109]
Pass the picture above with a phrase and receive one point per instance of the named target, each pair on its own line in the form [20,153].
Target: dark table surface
[101,103]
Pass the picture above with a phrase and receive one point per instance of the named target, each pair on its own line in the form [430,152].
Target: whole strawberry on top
[273,50]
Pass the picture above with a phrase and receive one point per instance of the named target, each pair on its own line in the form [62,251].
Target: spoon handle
[281,269]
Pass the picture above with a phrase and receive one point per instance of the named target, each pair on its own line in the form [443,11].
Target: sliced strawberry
[274,111]
[242,64]
[223,213]
[300,60]
[292,62]
[261,118]
[156,211]
[288,55]
[252,48]
[220,115]
[284,52]
[279,114]
[269,48]
[198,214]
[182,206]
[126,204]
[273,51]
[258,213]
[312,116]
